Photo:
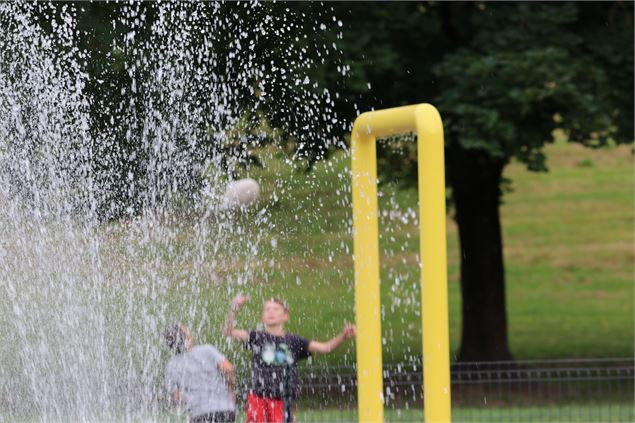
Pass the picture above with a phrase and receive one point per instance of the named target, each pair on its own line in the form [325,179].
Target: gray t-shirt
[197,376]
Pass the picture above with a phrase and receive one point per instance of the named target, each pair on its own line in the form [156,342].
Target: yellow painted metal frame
[369,126]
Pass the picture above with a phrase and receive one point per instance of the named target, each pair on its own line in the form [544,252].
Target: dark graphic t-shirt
[274,363]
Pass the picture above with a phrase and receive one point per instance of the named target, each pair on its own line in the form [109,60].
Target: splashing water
[83,297]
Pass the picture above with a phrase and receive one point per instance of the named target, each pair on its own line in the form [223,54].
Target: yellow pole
[368,126]
[434,283]
[367,304]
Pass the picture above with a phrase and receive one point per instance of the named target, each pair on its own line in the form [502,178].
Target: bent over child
[200,377]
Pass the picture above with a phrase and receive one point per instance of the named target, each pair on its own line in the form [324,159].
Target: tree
[504,76]
[234,69]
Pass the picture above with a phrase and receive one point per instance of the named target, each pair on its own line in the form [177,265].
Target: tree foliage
[249,71]
[504,76]
[525,72]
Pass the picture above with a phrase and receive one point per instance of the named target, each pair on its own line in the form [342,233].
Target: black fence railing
[577,390]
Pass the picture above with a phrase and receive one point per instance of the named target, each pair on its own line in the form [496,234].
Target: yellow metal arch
[369,126]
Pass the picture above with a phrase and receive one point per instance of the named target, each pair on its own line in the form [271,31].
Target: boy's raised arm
[237,334]
[326,347]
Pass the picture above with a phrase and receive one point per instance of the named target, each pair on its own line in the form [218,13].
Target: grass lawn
[568,237]
[575,413]
[569,413]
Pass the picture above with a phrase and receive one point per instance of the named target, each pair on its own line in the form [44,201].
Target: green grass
[574,413]
[569,413]
[568,237]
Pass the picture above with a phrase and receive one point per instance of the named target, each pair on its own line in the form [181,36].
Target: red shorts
[265,410]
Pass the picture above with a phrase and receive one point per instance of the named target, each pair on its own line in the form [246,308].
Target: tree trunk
[475,178]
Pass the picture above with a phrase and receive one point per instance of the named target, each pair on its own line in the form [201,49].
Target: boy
[199,376]
[275,354]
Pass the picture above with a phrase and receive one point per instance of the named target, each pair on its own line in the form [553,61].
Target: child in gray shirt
[199,376]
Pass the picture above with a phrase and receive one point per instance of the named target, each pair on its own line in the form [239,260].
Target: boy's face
[274,314]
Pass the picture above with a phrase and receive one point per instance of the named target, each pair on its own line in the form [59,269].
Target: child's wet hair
[174,338]
[280,302]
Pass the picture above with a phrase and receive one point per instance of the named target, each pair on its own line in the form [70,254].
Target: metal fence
[518,391]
